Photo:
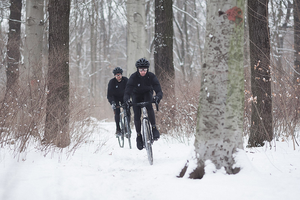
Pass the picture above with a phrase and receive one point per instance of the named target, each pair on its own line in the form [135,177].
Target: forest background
[99,36]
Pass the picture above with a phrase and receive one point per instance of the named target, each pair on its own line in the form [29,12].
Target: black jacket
[115,89]
[139,85]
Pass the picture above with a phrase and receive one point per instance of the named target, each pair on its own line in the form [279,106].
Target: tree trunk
[34,40]
[296,6]
[78,41]
[137,35]
[13,47]
[163,59]
[188,59]
[180,48]
[93,45]
[104,41]
[33,60]
[57,110]
[163,54]
[219,132]
[261,119]
[10,106]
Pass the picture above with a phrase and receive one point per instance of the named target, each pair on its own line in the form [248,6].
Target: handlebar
[144,104]
[140,104]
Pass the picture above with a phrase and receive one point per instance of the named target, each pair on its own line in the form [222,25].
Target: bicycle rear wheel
[121,137]
[127,131]
[147,140]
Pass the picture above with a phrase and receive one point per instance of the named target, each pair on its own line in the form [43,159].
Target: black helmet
[118,70]
[142,63]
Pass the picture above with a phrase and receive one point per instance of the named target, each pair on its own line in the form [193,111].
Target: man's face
[143,71]
[118,77]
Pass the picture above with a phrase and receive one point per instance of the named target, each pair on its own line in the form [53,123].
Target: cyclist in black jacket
[140,87]
[115,93]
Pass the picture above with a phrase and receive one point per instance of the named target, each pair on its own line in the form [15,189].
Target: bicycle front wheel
[147,140]
[127,130]
[121,137]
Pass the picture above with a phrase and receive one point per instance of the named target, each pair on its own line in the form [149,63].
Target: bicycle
[124,126]
[147,134]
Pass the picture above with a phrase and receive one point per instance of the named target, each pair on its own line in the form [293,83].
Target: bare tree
[261,119]
[188,40]
[219,132]
[136,33]
[163,60]
[13,47]
[57,110]
[9,108]
[93,46]
[33,44]
[296,6]
[163,44]
[78,29]
[32,76]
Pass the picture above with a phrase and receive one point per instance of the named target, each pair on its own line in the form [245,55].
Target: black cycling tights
[137,110]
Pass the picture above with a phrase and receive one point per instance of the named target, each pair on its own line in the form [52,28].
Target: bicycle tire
[147,140]
[127,130]
[121,137]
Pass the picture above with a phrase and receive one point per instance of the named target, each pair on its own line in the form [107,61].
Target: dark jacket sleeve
[125,80]
[129,88]
[109,93]
[156,87]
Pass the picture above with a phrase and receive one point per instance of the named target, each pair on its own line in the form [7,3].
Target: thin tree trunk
[93,45]
[181,50]
[188,60]
[78,41]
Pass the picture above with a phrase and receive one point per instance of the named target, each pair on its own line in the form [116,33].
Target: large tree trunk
[163,60]
[57,111]
[32,77]
[163,41]
[219,132]
[33,44]
[261,119]
[137,35]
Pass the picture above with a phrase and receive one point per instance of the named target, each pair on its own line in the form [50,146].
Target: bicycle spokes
[125,128]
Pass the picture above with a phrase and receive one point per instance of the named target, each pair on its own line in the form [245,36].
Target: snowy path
[115,173]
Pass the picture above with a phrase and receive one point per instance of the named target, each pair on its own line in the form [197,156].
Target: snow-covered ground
[110,172]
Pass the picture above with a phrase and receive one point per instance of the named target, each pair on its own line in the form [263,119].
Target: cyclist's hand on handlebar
[156,99]
[113,105]
[128,103]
